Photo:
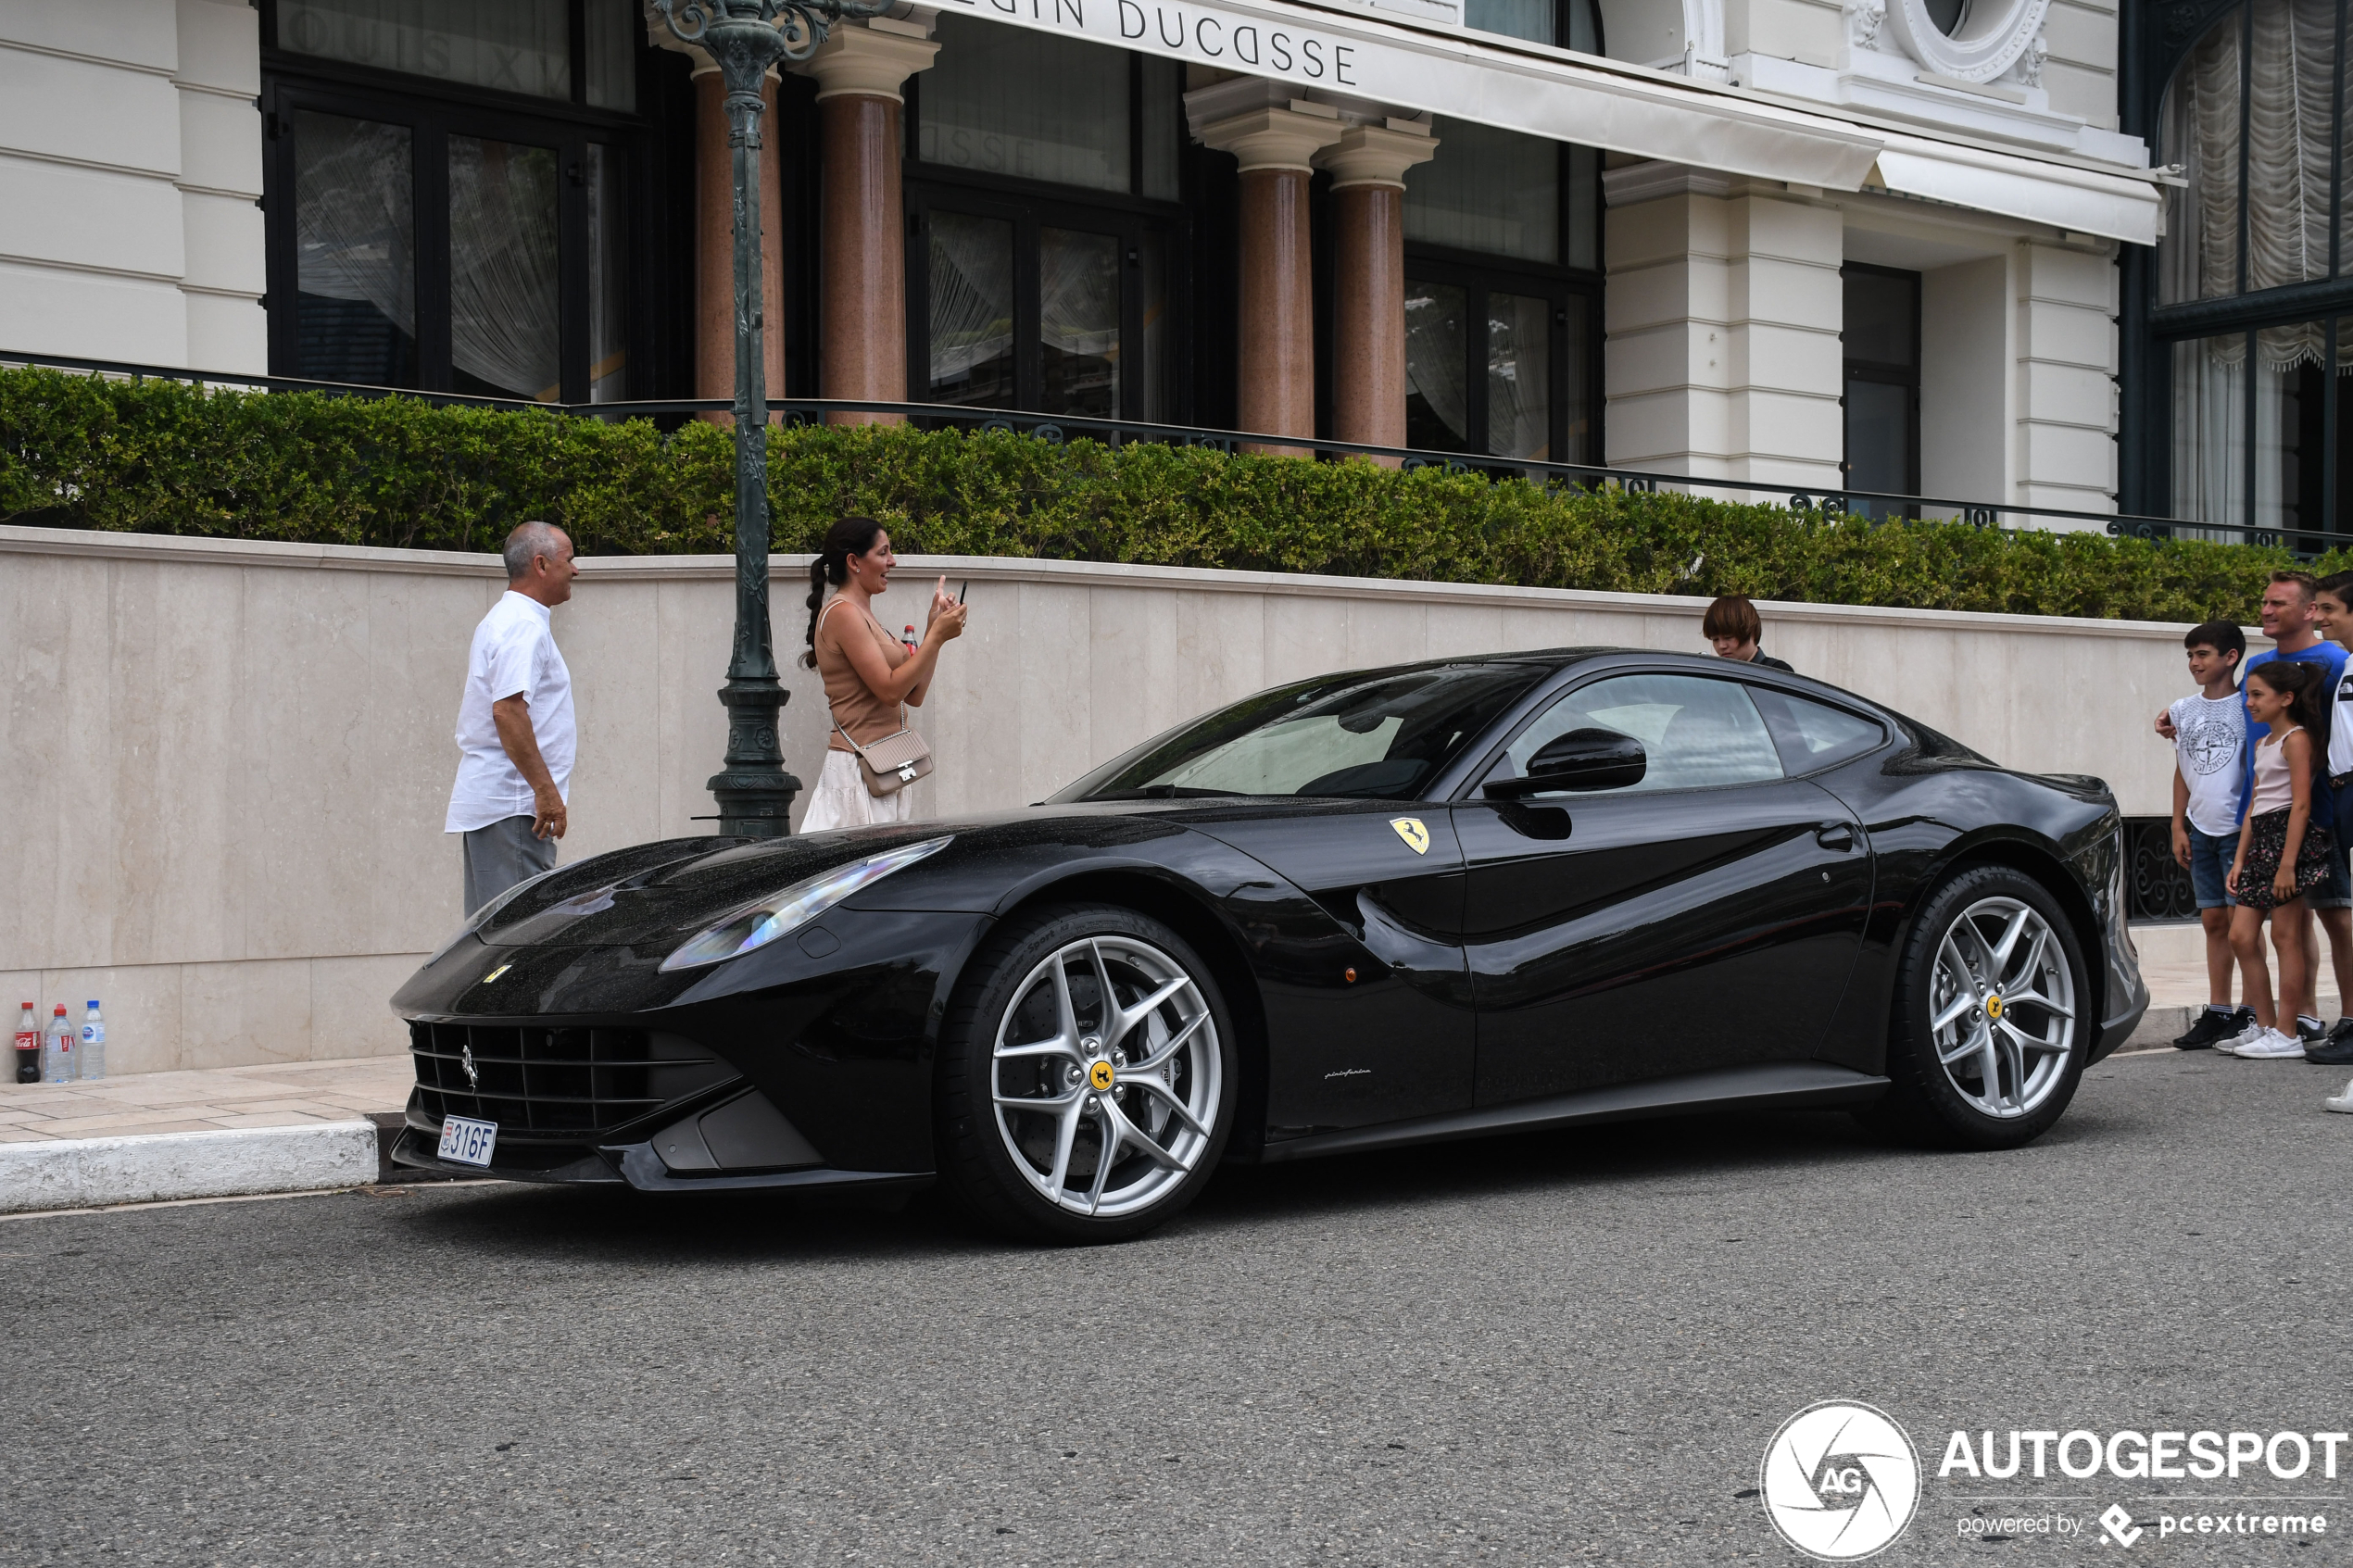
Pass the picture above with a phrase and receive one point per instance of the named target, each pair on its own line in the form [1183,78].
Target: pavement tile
[23,1135]
[126,1121]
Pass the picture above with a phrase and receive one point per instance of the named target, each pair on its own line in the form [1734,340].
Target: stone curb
[230,1163]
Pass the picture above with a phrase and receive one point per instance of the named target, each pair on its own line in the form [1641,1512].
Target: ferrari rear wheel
[1991,1026]
[1087,1076]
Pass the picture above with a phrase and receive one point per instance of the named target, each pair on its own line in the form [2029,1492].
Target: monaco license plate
[467,1141]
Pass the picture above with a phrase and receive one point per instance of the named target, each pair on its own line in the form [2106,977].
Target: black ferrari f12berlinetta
[1375,909]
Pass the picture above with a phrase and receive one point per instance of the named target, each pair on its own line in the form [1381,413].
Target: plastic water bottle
[27,1046]
[56,1049]
[92,1062]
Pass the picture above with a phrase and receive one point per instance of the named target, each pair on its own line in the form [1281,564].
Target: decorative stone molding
[1377,155]
[1286,137]
[872,61]
[1991,38]
[1864,20]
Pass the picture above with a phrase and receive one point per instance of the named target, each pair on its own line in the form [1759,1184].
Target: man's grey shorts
[501,855]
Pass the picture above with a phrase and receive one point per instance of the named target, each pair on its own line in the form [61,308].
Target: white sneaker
[2274,1045]
[2245,1037]
[2343,1102]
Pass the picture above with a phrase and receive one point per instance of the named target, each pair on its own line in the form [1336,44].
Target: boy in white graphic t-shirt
[2209,745]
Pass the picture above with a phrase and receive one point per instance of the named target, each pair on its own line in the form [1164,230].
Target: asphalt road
[1549,1349]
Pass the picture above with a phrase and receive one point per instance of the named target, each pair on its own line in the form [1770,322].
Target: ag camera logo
[1841,1481]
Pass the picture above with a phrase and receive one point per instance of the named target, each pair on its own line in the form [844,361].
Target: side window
[1813,735]
[1697,733]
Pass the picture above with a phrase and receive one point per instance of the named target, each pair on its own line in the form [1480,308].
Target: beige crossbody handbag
[893,762]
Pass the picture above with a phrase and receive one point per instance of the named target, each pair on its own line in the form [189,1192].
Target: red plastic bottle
[27,1046]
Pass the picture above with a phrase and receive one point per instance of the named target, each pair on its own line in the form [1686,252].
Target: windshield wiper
[1169,792]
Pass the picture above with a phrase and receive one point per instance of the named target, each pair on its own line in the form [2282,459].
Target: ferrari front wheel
[1087,1078]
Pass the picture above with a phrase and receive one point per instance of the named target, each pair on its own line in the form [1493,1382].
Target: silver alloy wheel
[1106,1075]
[2002,1008]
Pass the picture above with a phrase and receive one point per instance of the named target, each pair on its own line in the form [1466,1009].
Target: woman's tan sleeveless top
[855,707]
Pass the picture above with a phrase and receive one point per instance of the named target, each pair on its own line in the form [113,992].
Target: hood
[653,895]
[675,887]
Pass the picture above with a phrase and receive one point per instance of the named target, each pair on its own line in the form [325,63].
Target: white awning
[1556,99]
[2112,205]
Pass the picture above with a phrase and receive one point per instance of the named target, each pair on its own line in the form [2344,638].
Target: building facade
[1881,245]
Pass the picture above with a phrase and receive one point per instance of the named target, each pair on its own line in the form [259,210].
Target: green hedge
[165,458]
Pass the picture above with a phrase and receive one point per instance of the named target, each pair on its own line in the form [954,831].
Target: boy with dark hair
[1737,631]
[2332,617]
[2209,743]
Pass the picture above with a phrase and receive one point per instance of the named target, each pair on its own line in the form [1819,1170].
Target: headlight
[759,924]
[482,917]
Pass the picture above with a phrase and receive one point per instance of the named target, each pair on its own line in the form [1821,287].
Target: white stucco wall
[130,168]
[235,757]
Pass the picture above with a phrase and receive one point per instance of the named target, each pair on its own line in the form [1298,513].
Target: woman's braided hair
[850,537]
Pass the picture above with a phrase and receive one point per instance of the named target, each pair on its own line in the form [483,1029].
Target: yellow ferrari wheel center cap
[1993,1009]
[1101,1075]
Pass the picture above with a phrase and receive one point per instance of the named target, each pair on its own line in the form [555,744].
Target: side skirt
[1777,1085]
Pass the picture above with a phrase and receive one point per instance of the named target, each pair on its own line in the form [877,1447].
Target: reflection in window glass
[1163,127]
[1878,436]
[506,322]
[1513,18]
[611,65]
[355,226]
[1437,359]
[1004,100]
[514,46]
[608,278]
[1078,322]
[972,311]
[1519,376]
[1811,734]
[1696,733]
[1577,390]
[1486,189]
[1584,207]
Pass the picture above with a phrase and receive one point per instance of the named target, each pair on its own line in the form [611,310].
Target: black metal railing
[1877,506]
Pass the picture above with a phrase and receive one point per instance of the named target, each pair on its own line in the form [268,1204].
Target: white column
[2063,441]
[219,79]
[1722,312]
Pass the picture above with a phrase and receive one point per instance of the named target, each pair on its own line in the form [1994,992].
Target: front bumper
[636,1165]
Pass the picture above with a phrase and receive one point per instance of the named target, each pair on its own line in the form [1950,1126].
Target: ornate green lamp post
[745,39]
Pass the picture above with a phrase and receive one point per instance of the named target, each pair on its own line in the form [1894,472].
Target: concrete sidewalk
[227,1132]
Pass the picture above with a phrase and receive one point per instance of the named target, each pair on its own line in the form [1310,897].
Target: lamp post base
[755,794]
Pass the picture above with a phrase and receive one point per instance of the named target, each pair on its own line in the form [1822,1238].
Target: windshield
[1375,735]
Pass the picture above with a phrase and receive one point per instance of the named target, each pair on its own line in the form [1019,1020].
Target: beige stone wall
[229,762]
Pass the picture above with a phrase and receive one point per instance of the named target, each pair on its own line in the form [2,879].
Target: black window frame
[2155,44]
[1569,291]
[432,110]
[1032,205]
[1883,373]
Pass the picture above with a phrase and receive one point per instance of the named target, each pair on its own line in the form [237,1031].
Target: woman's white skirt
[841,800]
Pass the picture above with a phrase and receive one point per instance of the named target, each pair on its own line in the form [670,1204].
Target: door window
[1697,733]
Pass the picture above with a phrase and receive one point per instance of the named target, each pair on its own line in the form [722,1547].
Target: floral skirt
[841,800]
[2263,849]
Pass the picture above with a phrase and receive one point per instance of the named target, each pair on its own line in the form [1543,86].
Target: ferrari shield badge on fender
[1410,829]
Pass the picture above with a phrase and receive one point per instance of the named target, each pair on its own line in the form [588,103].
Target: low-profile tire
[1992,1021]
[1037,1077]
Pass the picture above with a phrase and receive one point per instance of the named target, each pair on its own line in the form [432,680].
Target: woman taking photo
[870,678]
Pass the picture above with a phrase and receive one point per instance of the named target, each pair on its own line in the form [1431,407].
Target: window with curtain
[2254,115]
[1503,233]
[447,241]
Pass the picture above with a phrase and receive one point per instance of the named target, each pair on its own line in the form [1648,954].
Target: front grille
[566,1085]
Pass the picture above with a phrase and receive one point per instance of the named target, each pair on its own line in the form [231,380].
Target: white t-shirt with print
[514,653]
[2341,726]
[2209,739]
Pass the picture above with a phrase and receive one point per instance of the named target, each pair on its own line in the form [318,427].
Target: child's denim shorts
[2210,860]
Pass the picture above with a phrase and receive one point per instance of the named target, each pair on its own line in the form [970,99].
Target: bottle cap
[61,1007]
[93,1001]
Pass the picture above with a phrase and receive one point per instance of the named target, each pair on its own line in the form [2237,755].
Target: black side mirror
[1580,759]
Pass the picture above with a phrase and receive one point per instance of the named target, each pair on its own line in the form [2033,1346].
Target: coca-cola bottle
[27,1046]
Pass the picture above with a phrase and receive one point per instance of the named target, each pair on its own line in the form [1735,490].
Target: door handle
[1838,836]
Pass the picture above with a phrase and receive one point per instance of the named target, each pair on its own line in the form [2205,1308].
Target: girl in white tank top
[2281,855]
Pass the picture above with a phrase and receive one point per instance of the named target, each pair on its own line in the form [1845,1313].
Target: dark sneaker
[2337,1050]
[2308,1033]
[2210,1027]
